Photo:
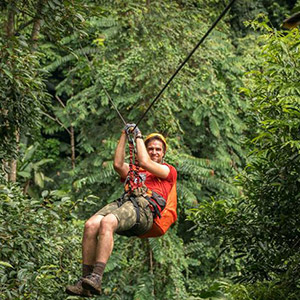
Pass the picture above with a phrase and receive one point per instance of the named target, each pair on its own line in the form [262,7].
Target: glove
[129,127]
[136,132]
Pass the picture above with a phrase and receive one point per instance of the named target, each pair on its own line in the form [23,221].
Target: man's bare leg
[89,247]
[90,239]
[104,248]
[105,244]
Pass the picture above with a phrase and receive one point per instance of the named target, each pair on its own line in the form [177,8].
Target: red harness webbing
[133,180]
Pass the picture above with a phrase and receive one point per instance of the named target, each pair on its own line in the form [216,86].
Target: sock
[99,268]
[87,270]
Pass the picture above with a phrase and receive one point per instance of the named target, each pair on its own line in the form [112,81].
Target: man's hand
[129,129]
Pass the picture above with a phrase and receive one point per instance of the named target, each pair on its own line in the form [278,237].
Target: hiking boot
[92,283]
[78,290]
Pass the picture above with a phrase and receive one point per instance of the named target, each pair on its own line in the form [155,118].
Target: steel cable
[186,59]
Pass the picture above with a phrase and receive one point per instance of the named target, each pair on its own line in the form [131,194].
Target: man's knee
[108,224]
[92,225]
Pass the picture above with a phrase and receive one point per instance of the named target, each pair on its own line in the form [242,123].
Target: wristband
[139,137]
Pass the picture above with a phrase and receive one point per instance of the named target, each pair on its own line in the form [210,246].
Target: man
[133,216]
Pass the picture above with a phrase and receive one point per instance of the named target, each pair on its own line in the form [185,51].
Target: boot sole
[90,286]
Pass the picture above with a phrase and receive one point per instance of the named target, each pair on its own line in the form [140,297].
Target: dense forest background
[231,118]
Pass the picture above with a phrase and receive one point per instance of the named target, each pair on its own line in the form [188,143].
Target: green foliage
[132,64]
[259,291]
[131,49]
[31,170]
[39,243]
[271,180]
[146,269]
[22,94]
[263,227]
[246,10]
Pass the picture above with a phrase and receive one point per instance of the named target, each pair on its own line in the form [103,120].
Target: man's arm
[159,170]
[120,166]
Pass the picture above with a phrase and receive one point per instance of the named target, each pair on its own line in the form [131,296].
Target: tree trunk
[13,171]
[12,176]
[25,190]
[10,25]
[35,33]
[37,24]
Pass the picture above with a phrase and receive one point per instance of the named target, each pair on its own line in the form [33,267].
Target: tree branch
[60,101]
[57,121]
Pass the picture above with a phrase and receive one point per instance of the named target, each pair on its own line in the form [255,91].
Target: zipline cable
[187,58]
[109,98]
[104,89]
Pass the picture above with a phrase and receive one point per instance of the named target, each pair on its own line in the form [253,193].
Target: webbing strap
[133,177]
[137,209]
[153,207]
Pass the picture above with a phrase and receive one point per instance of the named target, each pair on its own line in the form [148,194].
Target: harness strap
[137,209]
[154,207]
[133,179]
[120,201]
[160,200]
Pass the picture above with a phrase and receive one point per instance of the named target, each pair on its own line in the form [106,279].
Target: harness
[134,187]
[133,180]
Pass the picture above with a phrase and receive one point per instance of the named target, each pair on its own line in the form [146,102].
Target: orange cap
[158,136]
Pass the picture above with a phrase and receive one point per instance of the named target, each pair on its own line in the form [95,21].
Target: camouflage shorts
[127,216]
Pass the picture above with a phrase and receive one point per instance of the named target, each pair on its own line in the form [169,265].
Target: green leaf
[29,152]
[43,161]
[8,73]
[5,264]
[24,174]
[214,126]
[39,179]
